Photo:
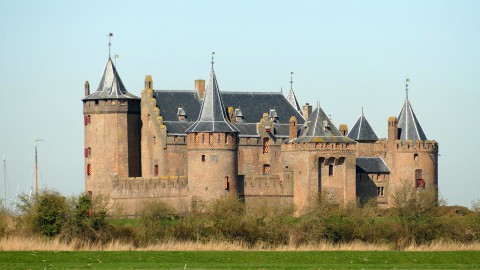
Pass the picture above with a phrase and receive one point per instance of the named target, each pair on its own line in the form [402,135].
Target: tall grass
[34,243]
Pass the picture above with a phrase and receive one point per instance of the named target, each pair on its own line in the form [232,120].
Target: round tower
[212,145]
[112,133]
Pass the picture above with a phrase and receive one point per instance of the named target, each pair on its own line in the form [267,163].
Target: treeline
[417,219]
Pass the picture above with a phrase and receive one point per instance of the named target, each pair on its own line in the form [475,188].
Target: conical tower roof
[408,126]
[293,100]
[111,86]
[362,131]
[213,117]
[319,128]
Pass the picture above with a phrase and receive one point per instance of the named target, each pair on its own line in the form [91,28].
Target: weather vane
[213,55]
[407,80]
[110,35]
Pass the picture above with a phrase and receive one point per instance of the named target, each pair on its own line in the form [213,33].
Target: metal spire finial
[213,53]
[291,80]
[362,111]
[407,80]
[110,35]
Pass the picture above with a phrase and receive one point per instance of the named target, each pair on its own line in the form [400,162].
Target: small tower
[365,136]
[212,145]
[112,132]
[412,156]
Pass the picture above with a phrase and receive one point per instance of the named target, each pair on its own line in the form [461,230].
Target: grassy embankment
[241,260]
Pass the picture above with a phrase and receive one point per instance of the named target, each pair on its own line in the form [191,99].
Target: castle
[187,147]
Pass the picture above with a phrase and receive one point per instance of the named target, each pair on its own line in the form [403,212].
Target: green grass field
[240,260]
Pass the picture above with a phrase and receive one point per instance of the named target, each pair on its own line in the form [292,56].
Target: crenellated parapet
[320,146]
[212,141]
[417,146]
[152,187]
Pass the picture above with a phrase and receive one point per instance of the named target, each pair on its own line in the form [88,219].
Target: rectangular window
[227,183]
[266,169]
[419,182]
[90,194]
[86,152]
[330,169]
[380,191]
[266,145]
[85,120]
[156,170]
[203,158]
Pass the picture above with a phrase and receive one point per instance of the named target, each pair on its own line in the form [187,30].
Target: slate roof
[362,131]
[372,165]
[213,117]
[316,131]
[408,126]
[111,86]
[252,105]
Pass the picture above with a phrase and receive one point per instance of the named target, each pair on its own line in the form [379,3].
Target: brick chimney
[200,87]
[306,110]
[392,132]
[343,129]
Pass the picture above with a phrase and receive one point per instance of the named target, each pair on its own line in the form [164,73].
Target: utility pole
[36,168]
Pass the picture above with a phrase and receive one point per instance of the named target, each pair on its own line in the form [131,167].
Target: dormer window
[238,116]
[182,115]
[326,125]
[273,115]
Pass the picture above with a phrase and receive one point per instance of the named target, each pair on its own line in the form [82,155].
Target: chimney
[343,129]
[230,113]
[200,87]
[392,132]
[87,88]
[292,130]
[148,82]
[306,110]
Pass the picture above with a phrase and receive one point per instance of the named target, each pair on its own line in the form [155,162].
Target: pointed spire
[319,128]
[291,96]
[111,86]
[362,131]
[408,126]
[213,117]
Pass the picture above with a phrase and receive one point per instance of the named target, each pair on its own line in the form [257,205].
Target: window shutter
[86,152]
[85,120]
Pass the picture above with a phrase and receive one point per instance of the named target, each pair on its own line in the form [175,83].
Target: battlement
[176,140]
[204,140]
[140,187]
[320,146]
[257,141]
[422,146]
[267,186]
[130,106]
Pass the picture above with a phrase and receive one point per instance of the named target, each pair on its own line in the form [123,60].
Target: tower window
[419,181]
[203,158]
[266,145]
[330,169]
[89,169]
[380,191]
[156,170]
[266,169]
[227,184]
[90,194]
[415,157]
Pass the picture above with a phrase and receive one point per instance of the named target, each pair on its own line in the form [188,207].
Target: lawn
[240,260]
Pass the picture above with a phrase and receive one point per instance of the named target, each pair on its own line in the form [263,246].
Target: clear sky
[345,54]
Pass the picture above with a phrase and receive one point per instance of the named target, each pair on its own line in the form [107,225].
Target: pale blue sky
[345,54]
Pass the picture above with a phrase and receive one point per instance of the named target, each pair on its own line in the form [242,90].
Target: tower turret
[212,145]
[112,132]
